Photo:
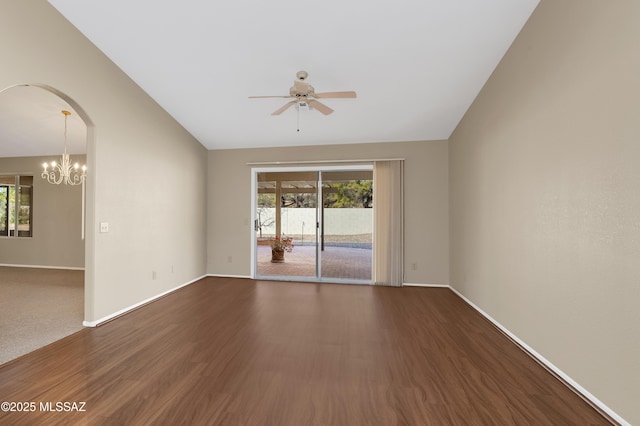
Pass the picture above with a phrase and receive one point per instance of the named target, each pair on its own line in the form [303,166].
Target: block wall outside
[301,221]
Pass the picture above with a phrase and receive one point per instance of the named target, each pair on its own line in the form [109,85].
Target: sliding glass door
[299,238]
[286,224]
[347,225]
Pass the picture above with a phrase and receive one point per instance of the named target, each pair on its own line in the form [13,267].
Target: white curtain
[388,210]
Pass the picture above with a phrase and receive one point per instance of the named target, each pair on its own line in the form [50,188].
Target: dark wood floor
[231,351]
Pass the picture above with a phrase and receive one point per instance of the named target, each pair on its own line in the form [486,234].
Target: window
[16,206]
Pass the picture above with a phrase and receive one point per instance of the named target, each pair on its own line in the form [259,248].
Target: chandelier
[63,172]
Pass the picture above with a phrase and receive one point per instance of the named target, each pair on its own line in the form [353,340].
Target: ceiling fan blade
[284,108]
[256,97]
[320,107]
[349,94]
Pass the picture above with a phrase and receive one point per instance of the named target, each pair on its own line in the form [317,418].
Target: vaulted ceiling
[416,65]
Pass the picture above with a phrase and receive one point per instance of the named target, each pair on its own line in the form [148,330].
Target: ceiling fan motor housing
[301,89]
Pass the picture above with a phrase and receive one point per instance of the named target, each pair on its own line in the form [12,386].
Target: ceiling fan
[303,94]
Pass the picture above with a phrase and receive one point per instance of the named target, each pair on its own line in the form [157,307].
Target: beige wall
[543,174]
[147,175]
[545,195]
[57,221]
[426,206]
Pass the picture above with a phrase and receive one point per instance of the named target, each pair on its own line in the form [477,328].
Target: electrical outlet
[414,266]
[104,227]
[153,275]
[229,259]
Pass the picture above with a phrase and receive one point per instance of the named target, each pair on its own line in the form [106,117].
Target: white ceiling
[32,124]
[416,65]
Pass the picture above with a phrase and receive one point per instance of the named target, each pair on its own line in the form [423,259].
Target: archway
[55,132]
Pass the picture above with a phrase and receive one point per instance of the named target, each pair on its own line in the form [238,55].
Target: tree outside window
[9,199]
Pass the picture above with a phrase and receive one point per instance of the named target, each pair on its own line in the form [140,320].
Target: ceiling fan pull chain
[298,108]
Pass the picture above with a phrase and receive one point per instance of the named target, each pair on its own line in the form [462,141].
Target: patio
[337,262]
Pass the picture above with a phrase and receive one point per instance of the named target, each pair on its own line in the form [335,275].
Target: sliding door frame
[319,206]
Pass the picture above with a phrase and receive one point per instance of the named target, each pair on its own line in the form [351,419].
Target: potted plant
[279,246]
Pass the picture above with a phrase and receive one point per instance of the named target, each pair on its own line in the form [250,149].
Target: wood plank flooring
[243,352]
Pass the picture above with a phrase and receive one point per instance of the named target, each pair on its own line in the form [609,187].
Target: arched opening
[58,239]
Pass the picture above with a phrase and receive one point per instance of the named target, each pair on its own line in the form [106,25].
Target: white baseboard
[426,285]
[137,305]
[69,268]
[229,276]
[582,392]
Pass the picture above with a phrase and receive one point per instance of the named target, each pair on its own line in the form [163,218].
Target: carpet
[38,307]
